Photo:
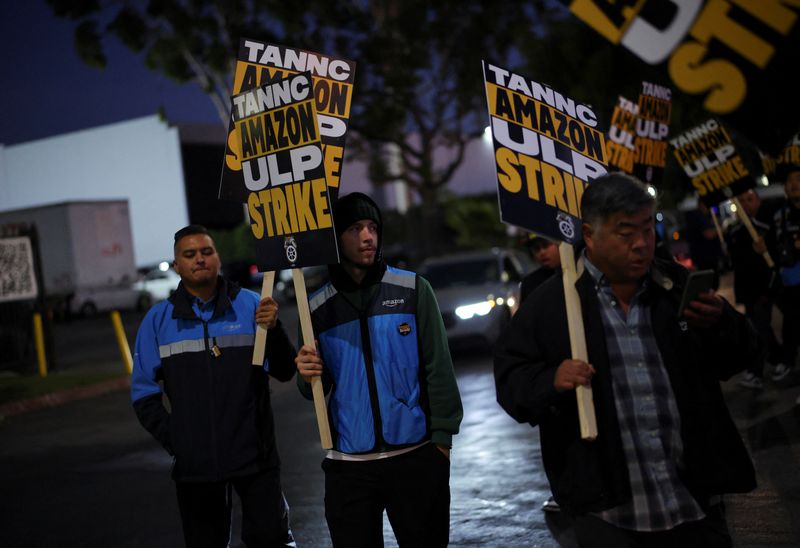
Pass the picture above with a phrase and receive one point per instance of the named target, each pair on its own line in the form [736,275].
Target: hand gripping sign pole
[745,218]
[577,339]
[260,345]
[308,338]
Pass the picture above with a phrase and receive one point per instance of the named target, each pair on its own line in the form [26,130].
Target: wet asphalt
[86,474]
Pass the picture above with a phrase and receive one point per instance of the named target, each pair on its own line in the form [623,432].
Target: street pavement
[85,473]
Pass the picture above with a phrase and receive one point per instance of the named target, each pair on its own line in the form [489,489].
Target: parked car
[90,301]
[477,291]
[157,284]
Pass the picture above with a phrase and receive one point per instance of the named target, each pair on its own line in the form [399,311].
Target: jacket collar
[182,300]
[662,274]
[342,281]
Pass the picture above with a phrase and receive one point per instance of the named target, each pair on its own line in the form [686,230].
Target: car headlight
[482,308]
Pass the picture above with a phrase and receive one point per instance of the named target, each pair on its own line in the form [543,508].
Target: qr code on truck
[17,275]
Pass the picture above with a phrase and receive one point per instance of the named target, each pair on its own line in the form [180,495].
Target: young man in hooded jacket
[394,405]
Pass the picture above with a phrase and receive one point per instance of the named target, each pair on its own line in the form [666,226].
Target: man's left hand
[445,450]
[705,311]
[267,313]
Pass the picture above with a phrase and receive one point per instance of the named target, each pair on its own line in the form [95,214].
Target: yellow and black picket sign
[281,176]
[709,159]
[732,56]
[289,114]
[654,111]
[620,145]
[715,169]
[261,63]
[547,149]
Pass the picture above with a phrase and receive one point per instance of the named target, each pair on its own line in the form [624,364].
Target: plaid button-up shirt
[648,416]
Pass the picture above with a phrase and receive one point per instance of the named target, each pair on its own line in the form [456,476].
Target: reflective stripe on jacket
[220,424]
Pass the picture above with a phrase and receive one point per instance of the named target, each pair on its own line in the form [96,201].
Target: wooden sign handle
[577,340]
[745,218]
[260,345]
[718,228]
[308,338]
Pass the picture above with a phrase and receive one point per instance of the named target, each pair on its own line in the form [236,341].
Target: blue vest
[373,361]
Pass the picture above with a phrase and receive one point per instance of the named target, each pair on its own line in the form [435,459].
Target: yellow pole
[122,341]
[38,335]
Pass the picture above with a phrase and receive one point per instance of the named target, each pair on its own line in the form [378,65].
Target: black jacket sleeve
[523,375]
[281,353]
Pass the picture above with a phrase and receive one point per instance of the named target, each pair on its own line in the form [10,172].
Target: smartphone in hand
[699,281]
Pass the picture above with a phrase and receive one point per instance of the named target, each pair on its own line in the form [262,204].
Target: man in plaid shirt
[667,448]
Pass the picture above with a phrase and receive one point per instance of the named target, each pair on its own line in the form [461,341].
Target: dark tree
[419,95]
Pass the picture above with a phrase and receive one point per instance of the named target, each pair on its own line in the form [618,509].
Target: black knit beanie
[352,208]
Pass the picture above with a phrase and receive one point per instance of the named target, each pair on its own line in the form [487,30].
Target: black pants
[206,511]
[790,306]
[413,488]
[710,532]
[759,312]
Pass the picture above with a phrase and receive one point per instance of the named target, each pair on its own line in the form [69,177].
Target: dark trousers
[710,532]
[759,312]
[413,488]
[790,306]
[206,511]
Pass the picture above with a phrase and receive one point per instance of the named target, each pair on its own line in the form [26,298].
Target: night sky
[46,90]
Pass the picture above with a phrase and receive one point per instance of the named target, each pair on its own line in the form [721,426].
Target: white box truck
[86,249]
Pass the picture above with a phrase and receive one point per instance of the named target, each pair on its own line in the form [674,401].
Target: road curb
[64,396]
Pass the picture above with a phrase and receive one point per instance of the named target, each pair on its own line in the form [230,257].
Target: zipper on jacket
[210,363]
[371,383]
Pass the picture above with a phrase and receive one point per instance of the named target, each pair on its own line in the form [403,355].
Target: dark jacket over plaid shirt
[591,476]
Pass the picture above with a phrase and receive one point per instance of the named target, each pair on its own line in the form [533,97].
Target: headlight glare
[467,311]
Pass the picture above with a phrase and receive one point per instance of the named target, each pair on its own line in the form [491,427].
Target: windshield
[467,272]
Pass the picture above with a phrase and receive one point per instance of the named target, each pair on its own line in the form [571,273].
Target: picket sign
[304,313]
[260,346]
[577,340]
[745,218]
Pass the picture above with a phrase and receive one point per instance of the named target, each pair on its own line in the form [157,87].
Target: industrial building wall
[138,160]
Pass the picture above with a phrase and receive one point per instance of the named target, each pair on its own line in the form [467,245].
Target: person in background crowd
[705,247]
[785,247]
[394,404]
[219,429]
[667,448]
[752,281]
[545,252]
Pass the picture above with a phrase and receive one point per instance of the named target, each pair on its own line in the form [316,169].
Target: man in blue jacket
[667,448]
[394,405]
[196,348]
